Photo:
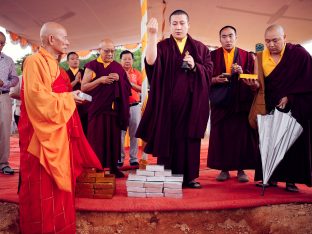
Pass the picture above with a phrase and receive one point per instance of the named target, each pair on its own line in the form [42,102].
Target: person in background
[108,113]
[285,75]
[135,79]
[75,75]
[15,94]
[8,79]
[74,72]
[233,144]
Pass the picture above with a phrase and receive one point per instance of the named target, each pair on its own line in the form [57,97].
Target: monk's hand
[190,61]
[106,79]
[115,76]
[152,26]
[219,79]
[77,99]
[78,77]
[253,84]
[237,68]
[1,83]
[282,103]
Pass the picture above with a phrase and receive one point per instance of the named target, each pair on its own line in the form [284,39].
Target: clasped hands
[78,77]
[109,79]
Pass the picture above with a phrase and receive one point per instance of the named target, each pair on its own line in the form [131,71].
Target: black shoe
[7,170]
[291,187]
[242,177]
[134,164]
[118,173]
[223,176]
[193,184]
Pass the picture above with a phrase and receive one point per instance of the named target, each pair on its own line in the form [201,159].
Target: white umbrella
[277,133]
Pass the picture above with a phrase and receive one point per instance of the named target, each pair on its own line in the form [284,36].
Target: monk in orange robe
[53,147]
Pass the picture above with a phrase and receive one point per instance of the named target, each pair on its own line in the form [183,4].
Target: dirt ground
[283,219]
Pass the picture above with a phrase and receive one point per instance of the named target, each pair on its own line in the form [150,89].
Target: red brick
[103,196]
[85,185]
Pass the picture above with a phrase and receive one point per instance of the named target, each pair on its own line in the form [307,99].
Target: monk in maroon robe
[108,113]
[288,86]
[177,110]
[75,75]
[232,143]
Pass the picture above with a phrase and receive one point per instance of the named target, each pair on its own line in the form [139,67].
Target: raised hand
[152,26]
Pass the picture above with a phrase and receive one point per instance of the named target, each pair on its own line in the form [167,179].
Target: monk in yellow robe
[53,146]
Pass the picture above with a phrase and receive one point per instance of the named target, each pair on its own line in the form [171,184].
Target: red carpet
[213,196]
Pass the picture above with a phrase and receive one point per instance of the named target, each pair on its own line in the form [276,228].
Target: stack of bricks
[155,181]
[95,184]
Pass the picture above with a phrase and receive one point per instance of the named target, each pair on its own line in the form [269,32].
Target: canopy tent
[89,21]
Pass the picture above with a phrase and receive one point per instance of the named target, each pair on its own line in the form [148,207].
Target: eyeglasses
[2,43]
[107,51]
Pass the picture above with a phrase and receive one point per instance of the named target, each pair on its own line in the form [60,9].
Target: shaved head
[107,50]
[54,38]
[106,42]
[49,28]
[276,28]
[275,39]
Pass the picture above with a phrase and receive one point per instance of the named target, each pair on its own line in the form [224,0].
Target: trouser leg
[5,129]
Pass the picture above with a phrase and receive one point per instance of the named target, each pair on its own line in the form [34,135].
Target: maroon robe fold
[233,144]
[177,109]
[292,78]
[105,122]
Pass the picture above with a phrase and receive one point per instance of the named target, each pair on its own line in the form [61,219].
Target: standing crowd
[61,132]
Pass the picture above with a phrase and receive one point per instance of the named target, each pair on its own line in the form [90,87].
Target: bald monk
[53,146]
[285,79]
[179,70]
[106,81]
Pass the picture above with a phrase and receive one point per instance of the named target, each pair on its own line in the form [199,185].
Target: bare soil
[283,219]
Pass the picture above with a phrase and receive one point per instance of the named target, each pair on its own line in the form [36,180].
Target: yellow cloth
[48,113]
[74,70]
[268,63]
[228,59]
[100,60]
[181,44]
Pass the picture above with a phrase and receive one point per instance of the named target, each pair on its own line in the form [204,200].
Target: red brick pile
[95,184]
